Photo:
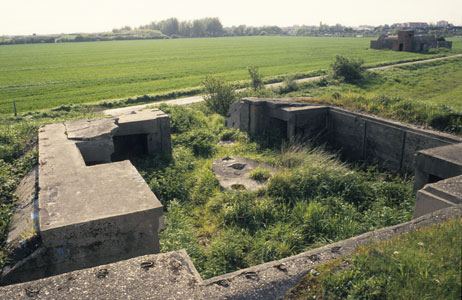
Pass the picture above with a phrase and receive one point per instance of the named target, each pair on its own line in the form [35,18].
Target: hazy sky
[66,16]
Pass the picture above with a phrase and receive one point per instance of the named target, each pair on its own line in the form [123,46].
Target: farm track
[196,99]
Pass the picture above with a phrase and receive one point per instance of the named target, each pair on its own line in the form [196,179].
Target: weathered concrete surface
[23,238]
[93,214]
[233,173]
[391,143]
[93,138]
[358,136]
[24,223]
[154,123]
[437,163]
[439,195]
[172,275]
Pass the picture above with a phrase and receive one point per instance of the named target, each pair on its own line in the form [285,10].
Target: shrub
[219,95]
[256,80]
[200,141]
[347,69]
[289,85]
[182,119]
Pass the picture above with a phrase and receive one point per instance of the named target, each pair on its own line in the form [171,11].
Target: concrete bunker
[432,156]
[90,206]
[156,276]
[408,41]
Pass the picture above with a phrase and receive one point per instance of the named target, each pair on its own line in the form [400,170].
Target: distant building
[409,42]
[442,23]
[414,25]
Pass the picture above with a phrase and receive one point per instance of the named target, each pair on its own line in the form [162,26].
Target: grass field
[39,76]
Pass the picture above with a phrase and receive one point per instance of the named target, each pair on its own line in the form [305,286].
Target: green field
[39,76]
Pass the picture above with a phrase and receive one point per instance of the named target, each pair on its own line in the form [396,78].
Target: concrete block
[91,214]
[436,196]
[437,163]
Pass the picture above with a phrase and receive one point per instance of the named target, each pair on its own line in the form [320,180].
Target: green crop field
[39,76]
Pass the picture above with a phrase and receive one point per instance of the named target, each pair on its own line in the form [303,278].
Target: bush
[200,141]
[289,85]
[219,95]
[256,80]
[182,119]
[347,69]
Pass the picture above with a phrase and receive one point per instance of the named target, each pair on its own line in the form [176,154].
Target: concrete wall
[390,143]
[91,210]
[358,136]
[444,44]
[383,43]
[430,155]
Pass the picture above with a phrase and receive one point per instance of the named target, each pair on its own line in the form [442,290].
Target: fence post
[15,112]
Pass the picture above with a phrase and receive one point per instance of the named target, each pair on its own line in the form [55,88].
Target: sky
[24,17]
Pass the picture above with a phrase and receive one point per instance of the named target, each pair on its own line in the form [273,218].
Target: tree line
[212,27]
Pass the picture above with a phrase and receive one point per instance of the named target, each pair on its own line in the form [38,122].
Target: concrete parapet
[91,210]
[173,276]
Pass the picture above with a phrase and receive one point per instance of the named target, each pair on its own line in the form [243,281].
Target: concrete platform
[93,211]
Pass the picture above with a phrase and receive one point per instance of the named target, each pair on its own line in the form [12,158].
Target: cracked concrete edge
[172,275]
[299,265]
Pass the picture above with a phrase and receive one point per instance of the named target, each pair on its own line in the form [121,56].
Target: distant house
[442,23]
[414,25]
[408,41]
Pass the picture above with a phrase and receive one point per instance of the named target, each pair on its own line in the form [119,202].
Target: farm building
[408,41]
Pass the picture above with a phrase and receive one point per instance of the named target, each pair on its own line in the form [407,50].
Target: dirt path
[195,99]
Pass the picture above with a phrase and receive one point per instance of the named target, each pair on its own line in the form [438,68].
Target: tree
[218,95]
[169,26]
[255,77]
[213,27]
[198,28]
[347,69]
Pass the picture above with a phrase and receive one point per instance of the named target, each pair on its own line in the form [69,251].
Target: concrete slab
[233,173]
[91,129]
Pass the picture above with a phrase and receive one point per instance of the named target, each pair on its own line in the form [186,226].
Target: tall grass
[428,94]
[313,198]
[420,265]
